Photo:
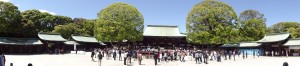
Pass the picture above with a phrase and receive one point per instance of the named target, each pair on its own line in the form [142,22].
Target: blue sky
[163,12]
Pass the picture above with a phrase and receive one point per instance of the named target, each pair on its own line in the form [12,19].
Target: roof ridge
[82,35]
[49,33]
[162,26]
[276,34]
[295,39]
[18,38]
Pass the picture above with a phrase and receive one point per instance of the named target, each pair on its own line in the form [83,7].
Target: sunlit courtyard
[85,60]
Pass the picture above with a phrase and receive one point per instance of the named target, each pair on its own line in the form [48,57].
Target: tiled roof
[274,38]
[51,37]
[71,43]
[230,45]
[249,44]
[293,42]
[87,39]
[20,41]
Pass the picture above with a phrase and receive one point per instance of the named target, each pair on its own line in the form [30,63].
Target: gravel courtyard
[85,60]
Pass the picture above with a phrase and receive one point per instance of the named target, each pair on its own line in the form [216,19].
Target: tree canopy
[36,21]
[10,18]
[252,26]
[283,27]
[84,28]
[118,22]
[286,27]
[211,22]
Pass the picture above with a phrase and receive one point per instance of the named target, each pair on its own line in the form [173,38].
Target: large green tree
[286,27]
[282,27]
[252,25]
[87,28]
[211,22]
[10,18]
[66,30]
[118,22]
[295,32]
[36,21]
[84,28]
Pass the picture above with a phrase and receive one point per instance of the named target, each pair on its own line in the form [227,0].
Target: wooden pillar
[11,49]
[38,49]
[20,50]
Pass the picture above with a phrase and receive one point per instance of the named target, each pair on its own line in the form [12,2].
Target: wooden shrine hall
[21,45]
[273,45]
[87,43]
[52,42]
[168,37]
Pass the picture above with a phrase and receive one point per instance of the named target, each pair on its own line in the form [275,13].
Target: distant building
[293,47]
[168,37]
[21,45]
[52,42]
[273,45]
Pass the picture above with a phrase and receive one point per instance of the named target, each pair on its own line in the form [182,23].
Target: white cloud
[18,5]
[53,13]
[5,0]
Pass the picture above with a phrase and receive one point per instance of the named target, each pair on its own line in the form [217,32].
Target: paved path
[85,60]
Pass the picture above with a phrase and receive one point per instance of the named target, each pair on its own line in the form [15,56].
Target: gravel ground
[85,60]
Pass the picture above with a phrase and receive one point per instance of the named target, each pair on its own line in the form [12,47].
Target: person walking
[234,53]
[243,54]
[2,59]
[155,56]
[200,56]
[114,54]
[92,55]
[225,54]
[218,57]
[159,55]
[175,55]
[139,56]
[120,57]
[246,54]
[253,54]
[165,56]
[205,57]
[197,57]
[125,57]
[100,58]
[182,56]
[230,53]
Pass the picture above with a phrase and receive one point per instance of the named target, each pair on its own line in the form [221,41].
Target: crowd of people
[166,55]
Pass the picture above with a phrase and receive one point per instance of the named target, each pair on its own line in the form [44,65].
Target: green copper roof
[293,42]
[51,37]
[71,43]
[85,39]
[162,30]
[274,38]
[249,44]
[20,41]
[230,45]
